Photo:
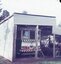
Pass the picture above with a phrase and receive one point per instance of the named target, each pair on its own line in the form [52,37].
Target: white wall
[6,39]
[57,30]
[2,37]
[34,20]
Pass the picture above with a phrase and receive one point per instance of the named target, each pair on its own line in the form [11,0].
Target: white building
[27,31]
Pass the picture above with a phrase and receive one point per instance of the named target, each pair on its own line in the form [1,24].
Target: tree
[4,15]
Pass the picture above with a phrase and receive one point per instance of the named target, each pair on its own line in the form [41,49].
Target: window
[32,34]
[26,34]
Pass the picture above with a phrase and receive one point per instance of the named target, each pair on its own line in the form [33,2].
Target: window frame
[22,36]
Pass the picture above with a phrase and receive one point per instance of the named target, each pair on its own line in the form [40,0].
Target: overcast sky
[41,7]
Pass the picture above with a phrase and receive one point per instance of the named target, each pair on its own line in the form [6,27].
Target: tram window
[32,34]
[26,34]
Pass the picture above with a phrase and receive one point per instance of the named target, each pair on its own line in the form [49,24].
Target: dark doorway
[25,35]
[18,42]
[58,46]
[46,44]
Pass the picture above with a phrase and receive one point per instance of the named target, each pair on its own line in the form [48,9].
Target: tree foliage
[4,15]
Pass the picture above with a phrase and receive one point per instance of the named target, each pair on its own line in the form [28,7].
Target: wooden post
[54,46]
[36,51]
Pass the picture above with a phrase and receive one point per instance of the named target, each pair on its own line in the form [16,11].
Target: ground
[4,60]
[28,61]
[36,61]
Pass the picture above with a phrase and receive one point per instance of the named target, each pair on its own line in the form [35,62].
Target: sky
[40,7]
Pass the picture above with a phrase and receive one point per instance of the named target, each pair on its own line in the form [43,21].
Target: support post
[36,51]
[54,46]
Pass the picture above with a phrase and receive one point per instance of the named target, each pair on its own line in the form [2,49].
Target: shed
[24,28]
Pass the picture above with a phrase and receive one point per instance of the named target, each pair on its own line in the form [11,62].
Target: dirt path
[35,61]
[28,61]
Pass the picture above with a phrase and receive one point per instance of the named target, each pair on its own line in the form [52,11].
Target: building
[28,35]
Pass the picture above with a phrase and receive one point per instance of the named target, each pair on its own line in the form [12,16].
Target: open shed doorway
[26,41]
[46,41]
[58,46]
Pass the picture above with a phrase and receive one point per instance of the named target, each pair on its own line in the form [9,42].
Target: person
[50,43]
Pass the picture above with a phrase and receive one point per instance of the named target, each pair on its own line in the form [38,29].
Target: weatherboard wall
[6,39]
